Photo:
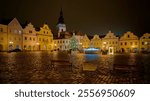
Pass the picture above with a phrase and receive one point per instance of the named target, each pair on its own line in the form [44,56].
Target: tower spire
[61,18]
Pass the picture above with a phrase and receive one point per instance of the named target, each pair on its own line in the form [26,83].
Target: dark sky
[88,16]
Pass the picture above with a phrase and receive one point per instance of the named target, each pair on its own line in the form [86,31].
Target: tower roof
[61,18]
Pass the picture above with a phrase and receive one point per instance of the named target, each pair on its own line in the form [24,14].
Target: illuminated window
[20,32]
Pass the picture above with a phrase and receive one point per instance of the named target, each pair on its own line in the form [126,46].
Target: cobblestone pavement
[35,68]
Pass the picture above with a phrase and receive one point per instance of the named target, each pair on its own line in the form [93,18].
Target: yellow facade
[85,42]
[129,43]
[3,37]
[96,42]
[29,38]
[45,38]
[145,42]
[15,33]
[110,40]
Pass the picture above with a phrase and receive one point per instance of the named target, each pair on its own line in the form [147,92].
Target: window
[142,43]
[135,43]
[30,38]
[131,43]
[25,38]
[121,43]
[1,29]
[125,43]
[33,39]
[39,39]
[20,32]
[30,31]
[143,37]
[128,36]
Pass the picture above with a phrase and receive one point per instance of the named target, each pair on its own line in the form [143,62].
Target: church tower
[61,24]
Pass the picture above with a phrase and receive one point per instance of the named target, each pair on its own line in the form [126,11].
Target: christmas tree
[73,43]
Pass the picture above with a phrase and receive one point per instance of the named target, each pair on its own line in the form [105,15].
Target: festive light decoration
[73,43]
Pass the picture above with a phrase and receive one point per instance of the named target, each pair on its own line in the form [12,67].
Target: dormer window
[30,31]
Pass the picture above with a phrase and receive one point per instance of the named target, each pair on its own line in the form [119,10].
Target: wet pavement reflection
[35,68]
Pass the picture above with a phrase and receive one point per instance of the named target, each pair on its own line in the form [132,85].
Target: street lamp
[11,42]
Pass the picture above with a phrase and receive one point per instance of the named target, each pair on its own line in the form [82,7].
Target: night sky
[88,16]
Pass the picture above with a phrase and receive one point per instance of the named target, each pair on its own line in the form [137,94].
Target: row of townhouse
[128,42]
[13,36]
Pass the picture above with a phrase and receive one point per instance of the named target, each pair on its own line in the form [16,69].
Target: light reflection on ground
[35,67]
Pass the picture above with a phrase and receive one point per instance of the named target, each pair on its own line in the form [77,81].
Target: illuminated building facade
[29,38]
[15,33]
[85,41]
[96,42]
[3,37]
[129,43]
[145,42]
[44,38]
[110,41]
[13,36]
